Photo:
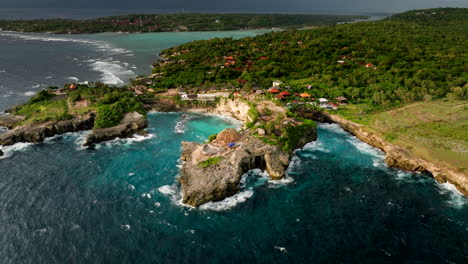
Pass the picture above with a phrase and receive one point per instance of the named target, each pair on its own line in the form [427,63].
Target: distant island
[174,22]
[400,84]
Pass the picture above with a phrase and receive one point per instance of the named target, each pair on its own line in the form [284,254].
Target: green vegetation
[109,103]
[209,162]
[386,63]
[294,134]
[173,22]
[211,138]
[435,131]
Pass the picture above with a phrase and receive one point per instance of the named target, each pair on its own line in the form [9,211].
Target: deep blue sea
[119,202]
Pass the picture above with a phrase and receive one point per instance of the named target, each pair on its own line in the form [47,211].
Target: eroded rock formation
[38,132]
[201,184]
[132,123]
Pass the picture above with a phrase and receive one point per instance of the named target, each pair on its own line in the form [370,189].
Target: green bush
[209,162]
[108,116]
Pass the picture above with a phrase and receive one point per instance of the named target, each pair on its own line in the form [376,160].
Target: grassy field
[436,131]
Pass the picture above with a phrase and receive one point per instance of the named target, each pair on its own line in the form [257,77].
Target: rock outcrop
[132,123]
[398,157]
[38,132]
[201,184]
[9,121]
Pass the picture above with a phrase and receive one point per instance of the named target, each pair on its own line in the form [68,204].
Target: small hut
[341,100]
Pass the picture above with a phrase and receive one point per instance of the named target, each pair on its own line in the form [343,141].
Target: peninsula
[174,22]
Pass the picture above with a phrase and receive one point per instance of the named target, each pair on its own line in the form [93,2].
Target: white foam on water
[457,199]
[333,127]
[110,70]
[229,202]
[281,249]
[125,227]
[157,204]
[101,45]
[316,146]
[18,147]
[167,190]
[37,86]
[48,77]
[180,127]
[280,183]
[2,71]
[365,148]
[29,93]
[73,79]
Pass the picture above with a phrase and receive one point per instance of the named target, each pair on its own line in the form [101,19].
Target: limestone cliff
[38,132]
[213,182]
[131,124]
[398,157]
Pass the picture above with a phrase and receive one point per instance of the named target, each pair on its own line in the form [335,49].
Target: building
[273,91]
[323,102]
[341,100]
[277,83]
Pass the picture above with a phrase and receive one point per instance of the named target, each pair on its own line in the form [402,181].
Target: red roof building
[273,91]
[285,93]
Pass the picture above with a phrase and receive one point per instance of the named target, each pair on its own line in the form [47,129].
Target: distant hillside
[434,16]
[174,22]
[379,63]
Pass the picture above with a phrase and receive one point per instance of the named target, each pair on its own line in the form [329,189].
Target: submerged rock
[38,132]
[133,123]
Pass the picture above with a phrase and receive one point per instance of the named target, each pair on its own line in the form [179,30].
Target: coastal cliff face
[401,158]
[38,132]
[212,172]
[131,124]
[201,184]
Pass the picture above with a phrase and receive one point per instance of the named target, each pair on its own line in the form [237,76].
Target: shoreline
[400,158]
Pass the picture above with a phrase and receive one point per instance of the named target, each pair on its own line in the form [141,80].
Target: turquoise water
[119,202]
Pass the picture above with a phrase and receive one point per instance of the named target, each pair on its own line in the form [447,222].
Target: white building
[323,102]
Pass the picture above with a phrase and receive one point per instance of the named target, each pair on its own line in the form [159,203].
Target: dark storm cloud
[242,5]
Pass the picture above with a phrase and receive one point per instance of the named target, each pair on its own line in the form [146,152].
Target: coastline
[399,157]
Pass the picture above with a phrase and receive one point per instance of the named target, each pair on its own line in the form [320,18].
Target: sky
[263,6]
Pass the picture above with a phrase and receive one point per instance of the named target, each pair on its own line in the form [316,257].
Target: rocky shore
[37,132]
[398,157]
[133,123]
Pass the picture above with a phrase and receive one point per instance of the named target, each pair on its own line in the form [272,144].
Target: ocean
[31,62]
[119,201]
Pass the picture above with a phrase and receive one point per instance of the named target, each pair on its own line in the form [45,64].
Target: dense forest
[173,22]
[383,63]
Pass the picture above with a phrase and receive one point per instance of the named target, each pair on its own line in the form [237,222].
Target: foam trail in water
[18,147]
[29,93]
[110,70]
[457,199]
[229,202]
